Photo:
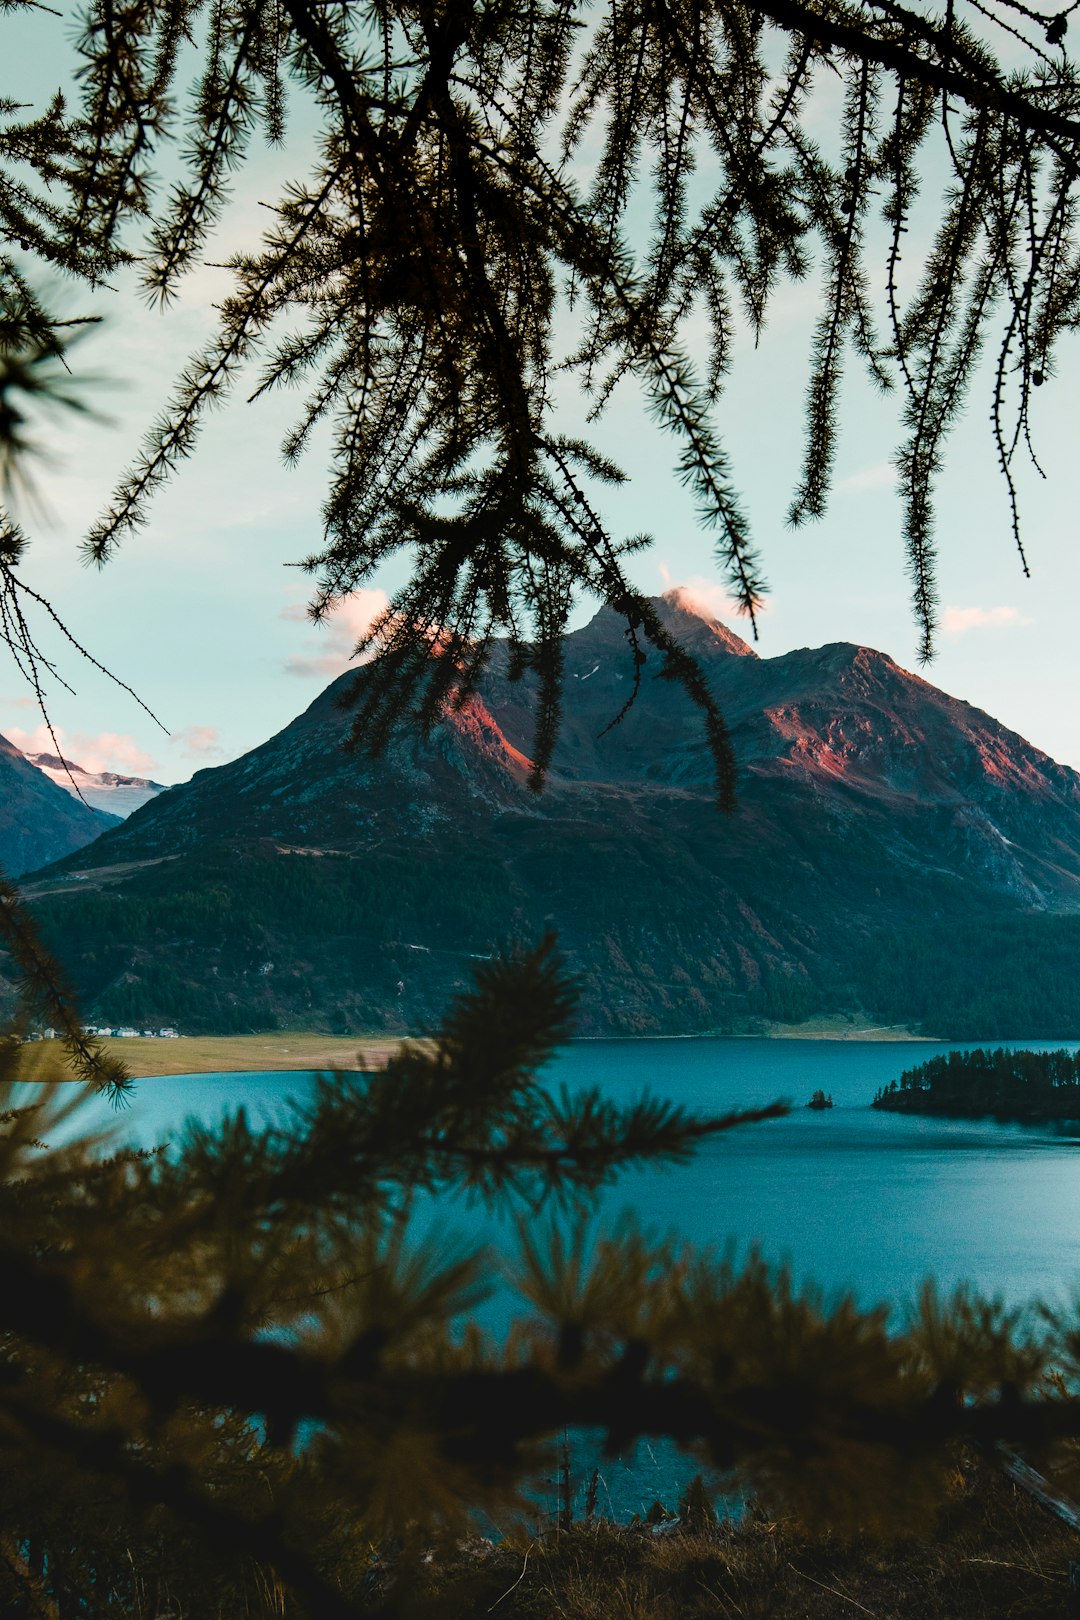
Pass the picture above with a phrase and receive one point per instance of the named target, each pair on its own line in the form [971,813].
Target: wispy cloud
[332,643]
[200,743]
[883,476]
[37,741]
[102,751]
[958,621]
[701,595]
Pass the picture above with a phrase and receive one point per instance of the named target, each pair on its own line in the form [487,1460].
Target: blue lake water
[852,1199]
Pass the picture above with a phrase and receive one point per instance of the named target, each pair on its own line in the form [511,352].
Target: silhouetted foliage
[244,1360]
[1005,1083]
[240,1347]
[992,1554]
[514,198]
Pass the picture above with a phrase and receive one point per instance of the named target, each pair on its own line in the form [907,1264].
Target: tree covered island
[1008,1085]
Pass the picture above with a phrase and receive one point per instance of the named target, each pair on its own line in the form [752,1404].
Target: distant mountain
[39,823]
[102,790]
[895,854]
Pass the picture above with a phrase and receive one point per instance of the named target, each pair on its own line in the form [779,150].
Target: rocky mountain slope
[894,853]
[38,821]
[102,790]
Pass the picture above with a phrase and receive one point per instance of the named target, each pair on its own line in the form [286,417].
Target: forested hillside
[893,854]
[39,821]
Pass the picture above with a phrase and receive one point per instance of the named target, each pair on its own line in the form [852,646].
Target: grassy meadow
[226,1054]
[283,1049]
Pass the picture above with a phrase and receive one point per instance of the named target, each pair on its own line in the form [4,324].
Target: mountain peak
[682,603]
[871,808]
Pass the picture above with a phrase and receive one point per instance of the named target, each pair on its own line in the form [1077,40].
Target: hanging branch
[470,243]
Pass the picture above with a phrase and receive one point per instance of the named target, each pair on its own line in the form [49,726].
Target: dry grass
[239,1054]
[995,1554]
[230,1054]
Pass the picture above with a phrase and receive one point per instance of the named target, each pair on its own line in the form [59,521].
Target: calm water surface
[851,1199]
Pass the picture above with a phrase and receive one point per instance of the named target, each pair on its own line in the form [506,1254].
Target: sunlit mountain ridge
[894,854]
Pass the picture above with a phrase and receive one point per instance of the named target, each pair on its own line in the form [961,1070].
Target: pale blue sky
[201,614]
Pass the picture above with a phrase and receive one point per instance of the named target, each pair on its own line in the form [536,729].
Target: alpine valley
[895,856]
[39,820]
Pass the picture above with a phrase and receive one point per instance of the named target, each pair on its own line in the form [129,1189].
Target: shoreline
[813,1030]
[149,1058]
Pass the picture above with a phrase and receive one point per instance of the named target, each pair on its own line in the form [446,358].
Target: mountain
[103,790]
[895,854]
[38,822]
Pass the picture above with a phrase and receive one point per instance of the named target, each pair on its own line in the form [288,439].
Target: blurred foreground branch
[262,1345]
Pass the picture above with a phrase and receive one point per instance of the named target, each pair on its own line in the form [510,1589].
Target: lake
[851,1198]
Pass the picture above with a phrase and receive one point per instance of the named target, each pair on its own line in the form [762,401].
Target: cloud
[198,742]
[103,751]
[958,621]
[701,595]
[883,476]
[37,741]
[333,641]
[112,751]
[109,751]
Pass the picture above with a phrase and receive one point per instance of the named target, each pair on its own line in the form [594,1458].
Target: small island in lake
[819,1101]
[1021,1085]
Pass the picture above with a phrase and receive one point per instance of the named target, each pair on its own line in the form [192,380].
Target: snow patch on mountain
[102,790]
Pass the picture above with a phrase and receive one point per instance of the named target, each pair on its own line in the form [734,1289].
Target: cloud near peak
[331,644]
[197,742]
[881,476]
[699,595]
[115,751]
[958,621]
[103,751]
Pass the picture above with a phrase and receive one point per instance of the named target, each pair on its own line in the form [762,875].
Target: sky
[203,611]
